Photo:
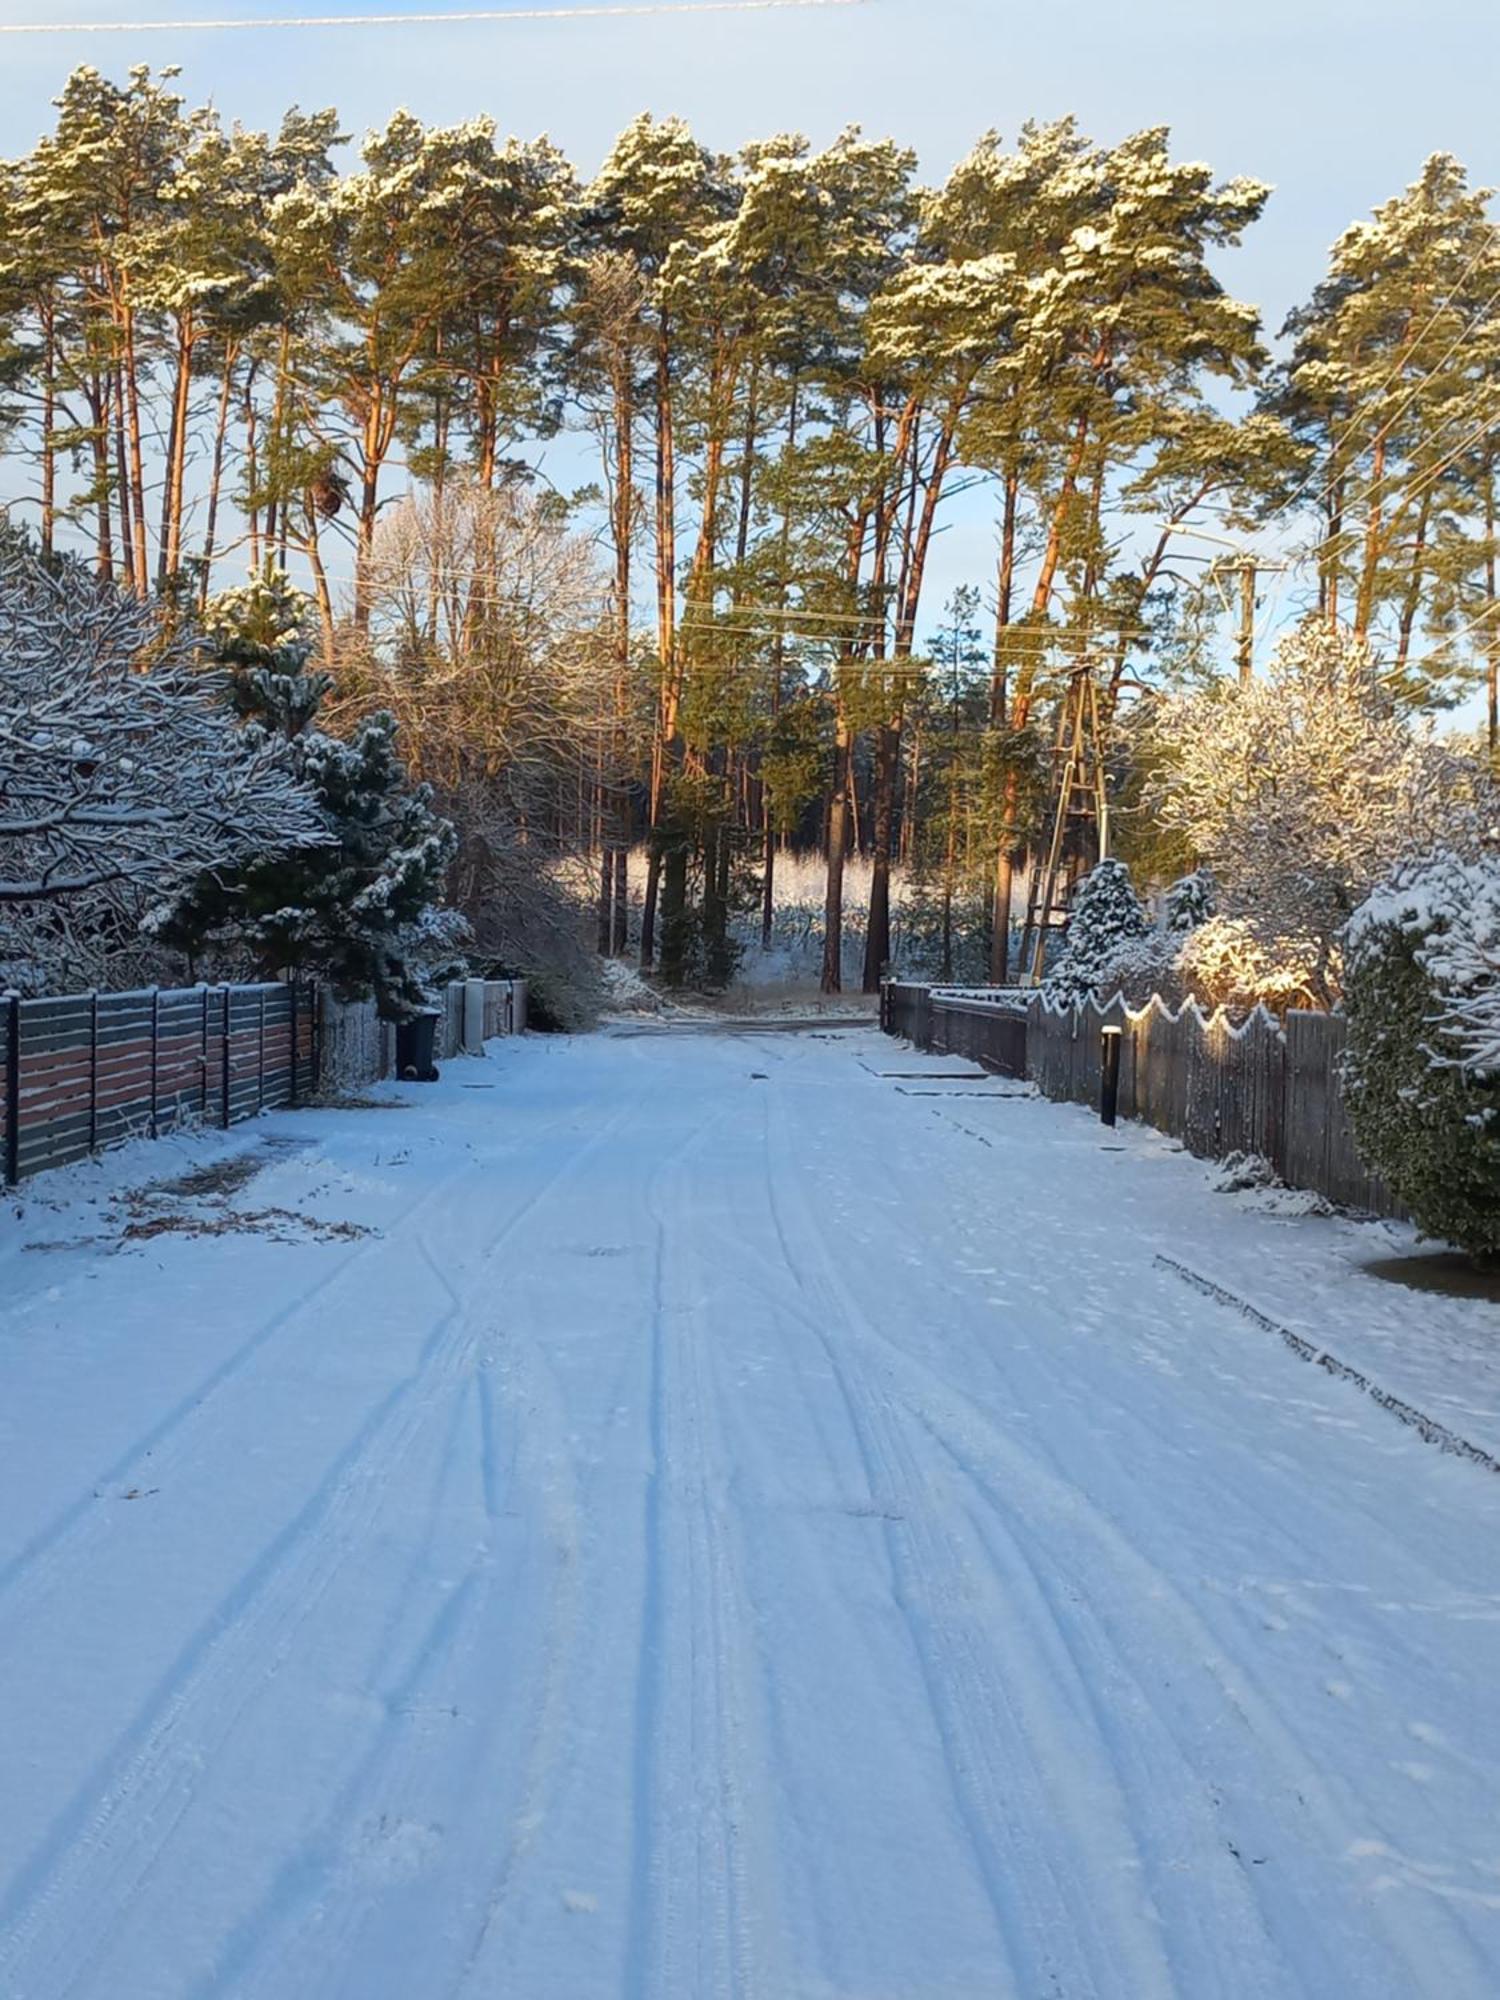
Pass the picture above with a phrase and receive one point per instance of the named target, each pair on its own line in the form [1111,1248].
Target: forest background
[917,449]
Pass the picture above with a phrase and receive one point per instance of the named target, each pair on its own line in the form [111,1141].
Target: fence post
[260,1057]
[94,1071]
[224,1055]
[155,1050]
[203,1066]
[315,994]
[12,1088]
[292,1086]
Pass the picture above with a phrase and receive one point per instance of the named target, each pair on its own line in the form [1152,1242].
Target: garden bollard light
[1109,1074]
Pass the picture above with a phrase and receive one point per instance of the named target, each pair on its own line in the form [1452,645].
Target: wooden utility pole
[1248,568]
[1244,651]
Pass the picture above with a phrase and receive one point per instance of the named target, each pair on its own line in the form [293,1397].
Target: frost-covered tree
[1107,915]
[361,911]
[1422,1069]
[1301,787]
[121,776]
[490,645]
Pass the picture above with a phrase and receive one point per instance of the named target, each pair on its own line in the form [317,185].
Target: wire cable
[1477,319]
[468,17]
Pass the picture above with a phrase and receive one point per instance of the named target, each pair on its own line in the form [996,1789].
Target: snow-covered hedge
[1422,1071]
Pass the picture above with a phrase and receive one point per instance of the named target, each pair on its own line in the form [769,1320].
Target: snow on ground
[678,1515]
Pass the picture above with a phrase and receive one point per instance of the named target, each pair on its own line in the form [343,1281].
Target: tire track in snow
[58,1916]
[39,1570]
[1046,1914]
[303,1938]
[107,1840]
[913,1167]
[1123,1571]
[694,1934]
[1013,1488]
[27,1577]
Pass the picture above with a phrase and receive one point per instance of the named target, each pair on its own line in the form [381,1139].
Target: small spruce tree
[259,634]
[1107,914]
[1189,902]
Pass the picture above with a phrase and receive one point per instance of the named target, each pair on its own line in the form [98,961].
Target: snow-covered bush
[121,774]
[1422,1069]
[1463,956]
[1300,788]
[1107,915]
[1228,962]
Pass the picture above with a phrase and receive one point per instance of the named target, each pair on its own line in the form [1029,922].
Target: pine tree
[1392,390]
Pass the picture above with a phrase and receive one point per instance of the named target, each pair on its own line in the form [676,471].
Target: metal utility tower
[1079,800]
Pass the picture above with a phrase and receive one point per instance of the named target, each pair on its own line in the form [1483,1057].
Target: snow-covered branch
[120,769]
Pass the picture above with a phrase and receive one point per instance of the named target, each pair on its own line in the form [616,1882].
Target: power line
[1419,485]
[1448,640]
[486,16]
[1492,237]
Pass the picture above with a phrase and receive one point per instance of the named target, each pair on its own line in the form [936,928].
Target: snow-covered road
[678,1516]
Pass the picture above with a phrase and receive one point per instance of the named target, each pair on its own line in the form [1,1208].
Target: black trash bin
[416,1041]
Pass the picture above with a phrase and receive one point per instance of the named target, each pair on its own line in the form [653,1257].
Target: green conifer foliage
[361,913]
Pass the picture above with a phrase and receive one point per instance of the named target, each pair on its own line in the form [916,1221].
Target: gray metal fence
[1258,1086]
[86,1070]
[83,1071]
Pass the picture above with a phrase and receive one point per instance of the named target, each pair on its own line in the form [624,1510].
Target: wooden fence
[1259,1086]
[87,1070]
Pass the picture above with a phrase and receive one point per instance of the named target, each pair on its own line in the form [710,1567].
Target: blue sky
[1335,103]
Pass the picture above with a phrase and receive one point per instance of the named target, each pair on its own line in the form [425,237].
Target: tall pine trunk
[216,471]
[838,848]
[665,751]
[134,437]
[133,578]
[878,928]
[49,424]
[1000,901]
[174,481]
